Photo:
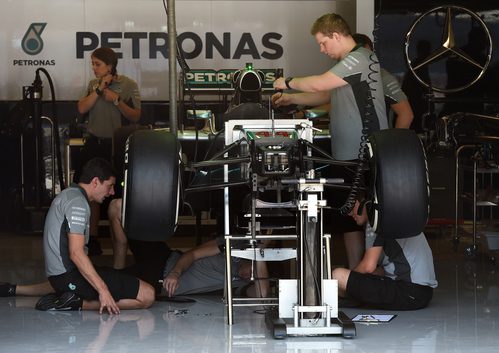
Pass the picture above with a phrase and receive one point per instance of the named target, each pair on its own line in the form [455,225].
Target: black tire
[120,137]
[399,180]
[152,185]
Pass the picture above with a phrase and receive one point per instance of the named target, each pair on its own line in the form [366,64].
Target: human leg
[341,275]
[143,300]
[150,260]
[353,234]
[75,293]
[11,290]
[355,247]
[118,237]
[93,147]
[34,289]
[261,286]
[385,293]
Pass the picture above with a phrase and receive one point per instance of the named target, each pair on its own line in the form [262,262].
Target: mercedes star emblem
[449,47]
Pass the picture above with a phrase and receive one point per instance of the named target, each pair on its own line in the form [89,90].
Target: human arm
[85,104]
[404,114]
[369,262]
[315,83]
[303,98]
[315,90]
[132,114]
[172,280]
[76,244]
[397,99]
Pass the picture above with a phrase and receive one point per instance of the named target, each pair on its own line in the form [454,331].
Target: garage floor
[463,316]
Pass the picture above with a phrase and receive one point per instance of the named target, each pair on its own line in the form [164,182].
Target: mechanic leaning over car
[353,82]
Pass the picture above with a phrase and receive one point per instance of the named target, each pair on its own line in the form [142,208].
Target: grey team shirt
[204,275]
[393,94]
[104,117]
[407,259]
[68,213]
[348,103]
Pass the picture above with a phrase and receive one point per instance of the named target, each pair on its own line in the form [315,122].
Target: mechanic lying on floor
[199,270]
[394,274]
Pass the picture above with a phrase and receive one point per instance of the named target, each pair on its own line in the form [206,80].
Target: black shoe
[67,301]
[94,247]
[7,289]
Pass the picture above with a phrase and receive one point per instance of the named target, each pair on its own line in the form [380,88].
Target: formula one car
[268,167]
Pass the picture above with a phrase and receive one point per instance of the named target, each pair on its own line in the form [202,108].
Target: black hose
[363,155]
[57,140]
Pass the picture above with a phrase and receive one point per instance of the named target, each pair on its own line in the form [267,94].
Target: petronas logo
[32,42]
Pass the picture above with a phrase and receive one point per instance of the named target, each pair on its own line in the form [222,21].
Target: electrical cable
[367,119]
[57,141]
[363,148]
[185,69]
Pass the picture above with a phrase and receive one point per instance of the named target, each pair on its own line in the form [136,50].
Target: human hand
[109,95]
[171,283]
[280,99]
[107,302]
[280,83]
[359,219]
[105,81]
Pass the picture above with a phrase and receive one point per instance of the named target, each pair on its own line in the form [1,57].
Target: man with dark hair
[198,270]
[77,283]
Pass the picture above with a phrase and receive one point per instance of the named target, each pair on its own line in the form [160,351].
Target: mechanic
[110,101]
[399,110]
[396,100]
[394,274]
[353,82]
[77,283]
[199,270]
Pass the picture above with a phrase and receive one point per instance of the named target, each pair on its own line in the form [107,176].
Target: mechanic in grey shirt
[198,270]
[354,89]
[394,274]
[400,114]
[77,283]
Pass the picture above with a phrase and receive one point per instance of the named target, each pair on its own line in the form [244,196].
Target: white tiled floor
[463,317]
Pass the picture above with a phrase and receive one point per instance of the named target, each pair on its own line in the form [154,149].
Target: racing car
[264,167]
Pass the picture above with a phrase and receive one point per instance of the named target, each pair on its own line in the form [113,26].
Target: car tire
[151,194]
[399,183]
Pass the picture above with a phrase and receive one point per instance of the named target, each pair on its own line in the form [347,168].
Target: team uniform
[362,97]
[393,94]
[204,275]
[409,275]
[70,213]
[104,118]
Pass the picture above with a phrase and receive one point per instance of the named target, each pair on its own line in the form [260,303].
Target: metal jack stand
[307,305]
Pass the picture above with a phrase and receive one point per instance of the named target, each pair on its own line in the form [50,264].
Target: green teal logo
[71,286]
[32,42]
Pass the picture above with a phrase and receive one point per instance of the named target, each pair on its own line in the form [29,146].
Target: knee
[147,295]
[341,275]
[114,209]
